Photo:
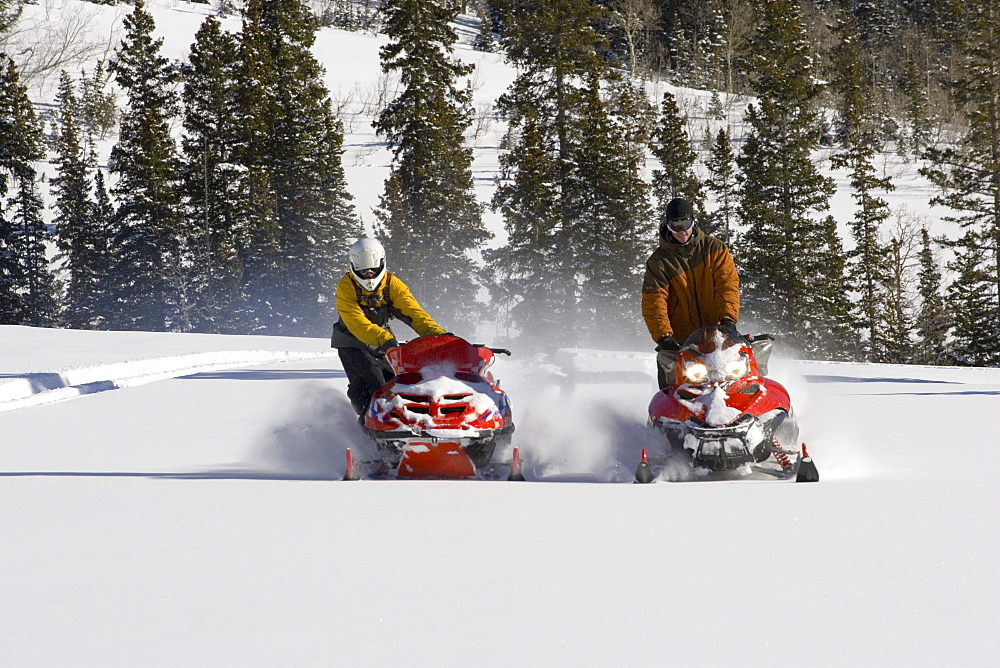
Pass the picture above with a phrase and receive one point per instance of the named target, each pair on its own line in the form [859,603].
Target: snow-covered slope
[200,520]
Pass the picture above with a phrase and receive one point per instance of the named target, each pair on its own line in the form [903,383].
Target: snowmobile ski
[644,472]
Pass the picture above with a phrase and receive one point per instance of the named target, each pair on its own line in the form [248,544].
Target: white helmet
[367,263]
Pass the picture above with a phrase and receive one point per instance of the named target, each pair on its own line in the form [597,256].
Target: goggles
[371,272]
[680,224]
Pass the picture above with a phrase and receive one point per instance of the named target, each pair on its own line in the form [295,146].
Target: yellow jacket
[364,316]
[689,286]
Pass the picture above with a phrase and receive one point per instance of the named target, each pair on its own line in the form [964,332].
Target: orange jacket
[364,316]
[689,286]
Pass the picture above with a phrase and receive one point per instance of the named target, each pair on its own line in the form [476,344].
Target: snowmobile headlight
[738,368]
[695,372]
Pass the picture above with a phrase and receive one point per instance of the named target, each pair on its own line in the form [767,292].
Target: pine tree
[968,176]
[98,113]
[101,234]
[529,203]
[672,147]
[10,11]
[722,182]
[827,329]
[791,264]
[30,238]
[209,172]
[27,291]
[917,110]
[933,320]
[73,211]
[489,26]
[294,219]
[147,243]
[868,263]
[555,49]
[429,214]
[973,308]
[608,203]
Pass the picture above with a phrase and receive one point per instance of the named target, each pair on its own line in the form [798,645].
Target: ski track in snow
[38,388]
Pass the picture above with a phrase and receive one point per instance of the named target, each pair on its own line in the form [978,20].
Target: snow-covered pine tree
[676,176]
[27,290]
[429,217]
[968,176]
[296,219]
[147,221]
[678,46]
[791,264]
[933,319]
[608,202]
[71,190]
[10,10]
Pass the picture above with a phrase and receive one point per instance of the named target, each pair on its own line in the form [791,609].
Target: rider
[690,282]
[367,297]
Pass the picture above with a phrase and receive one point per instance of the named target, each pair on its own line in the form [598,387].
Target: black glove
[667,343]
[391,343]
[728,325]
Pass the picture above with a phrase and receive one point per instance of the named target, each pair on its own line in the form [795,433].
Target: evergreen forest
[223,205]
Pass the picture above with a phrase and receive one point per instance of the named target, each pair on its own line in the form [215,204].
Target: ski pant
[366,373]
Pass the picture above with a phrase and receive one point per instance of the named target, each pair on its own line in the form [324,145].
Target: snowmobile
[722,417]
[442,415]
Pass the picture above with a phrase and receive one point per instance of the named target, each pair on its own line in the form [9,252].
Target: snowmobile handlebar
[495,351]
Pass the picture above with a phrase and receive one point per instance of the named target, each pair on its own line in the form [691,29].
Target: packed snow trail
[37,388]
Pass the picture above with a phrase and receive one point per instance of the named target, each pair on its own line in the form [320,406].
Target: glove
[391,343]
[728,325]
[667,343]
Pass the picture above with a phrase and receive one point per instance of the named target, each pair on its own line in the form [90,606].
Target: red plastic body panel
[435,460]
[753,394]
[771,395]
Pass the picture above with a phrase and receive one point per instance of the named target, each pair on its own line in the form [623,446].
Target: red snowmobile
[442,416]
[722,415]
